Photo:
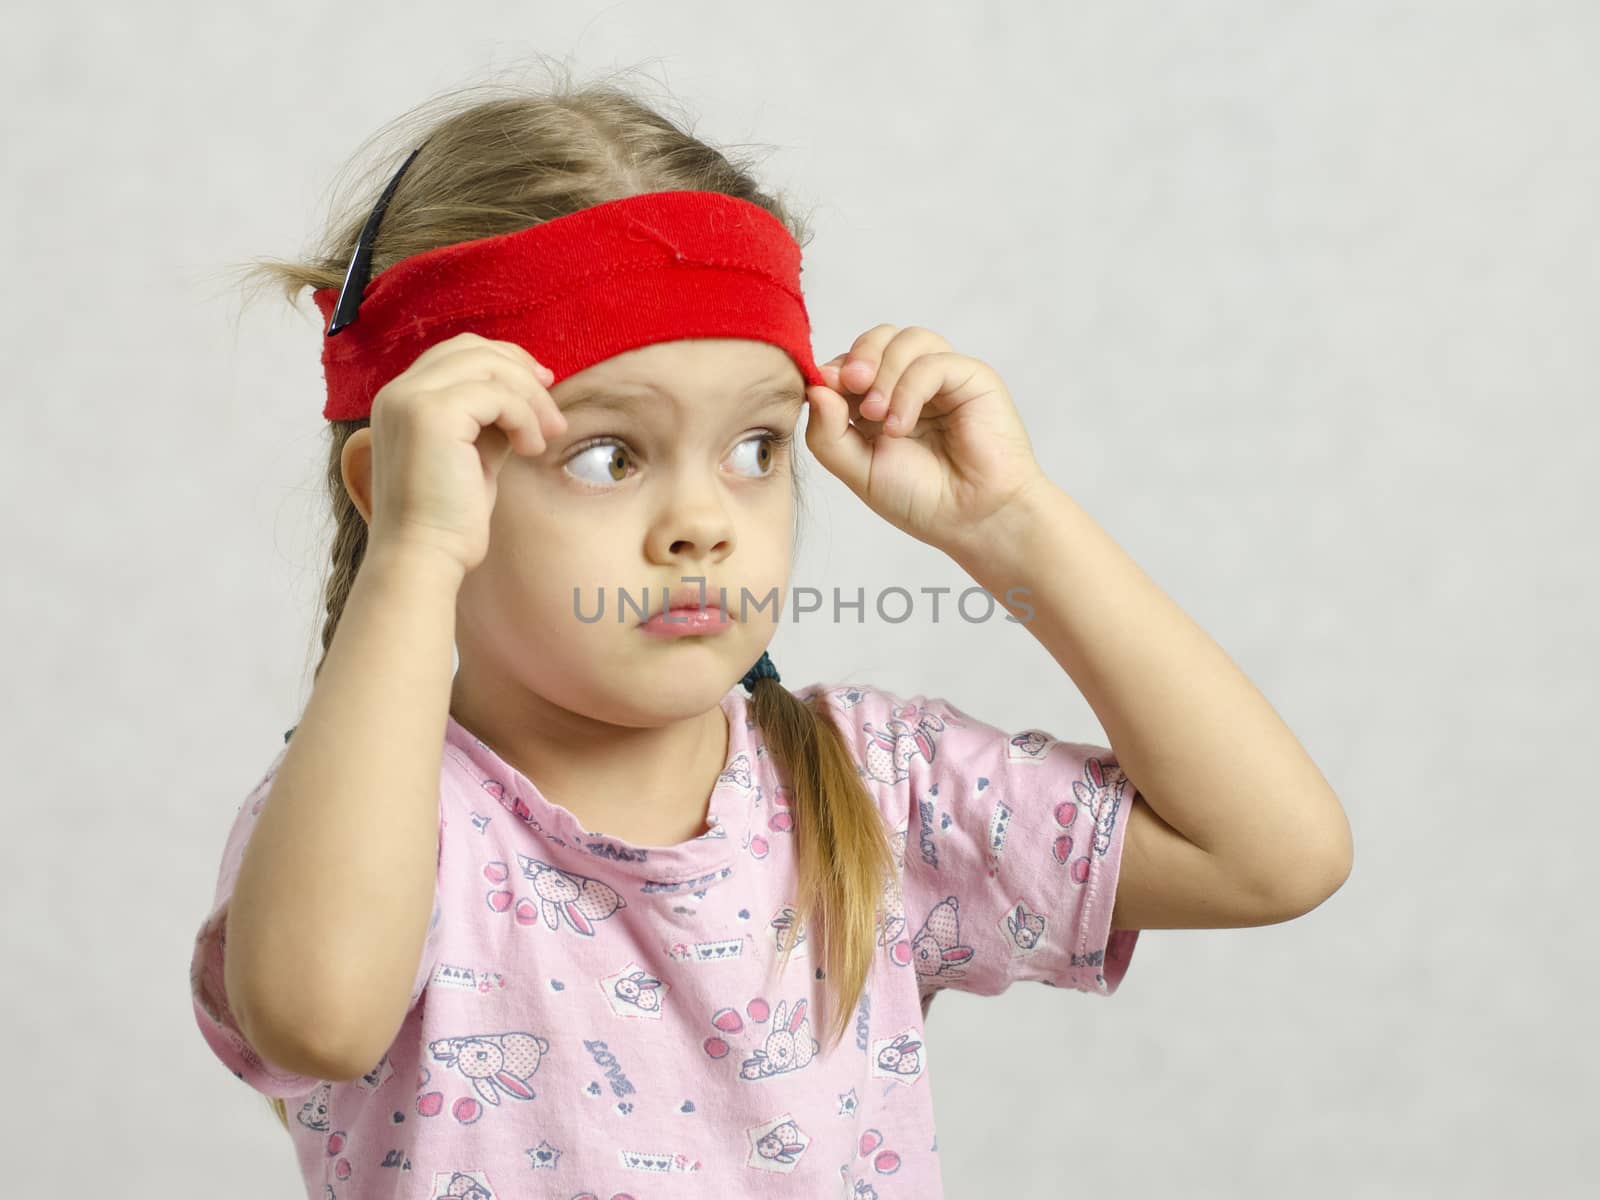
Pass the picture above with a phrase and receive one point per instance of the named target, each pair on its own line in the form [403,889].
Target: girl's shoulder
[895,736]
[872,709]
[898,735]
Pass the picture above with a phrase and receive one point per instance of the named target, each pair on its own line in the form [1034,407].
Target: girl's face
[668,470]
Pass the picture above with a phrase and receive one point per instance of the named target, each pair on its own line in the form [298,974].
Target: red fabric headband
[572,291]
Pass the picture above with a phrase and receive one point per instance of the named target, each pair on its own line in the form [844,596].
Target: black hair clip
[360,269]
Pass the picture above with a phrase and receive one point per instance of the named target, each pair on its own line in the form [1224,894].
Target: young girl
[665,927]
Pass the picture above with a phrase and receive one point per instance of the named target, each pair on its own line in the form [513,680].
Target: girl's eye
[769,458]
[611,466]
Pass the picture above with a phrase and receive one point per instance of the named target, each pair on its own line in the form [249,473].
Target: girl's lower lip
[686,622]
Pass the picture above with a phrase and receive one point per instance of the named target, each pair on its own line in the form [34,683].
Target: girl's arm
[1234,824]
[330,911]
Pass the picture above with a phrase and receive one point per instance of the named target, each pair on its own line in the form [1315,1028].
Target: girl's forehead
[691,365]
[662,404]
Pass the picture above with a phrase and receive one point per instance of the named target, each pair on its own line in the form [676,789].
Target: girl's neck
[646,786]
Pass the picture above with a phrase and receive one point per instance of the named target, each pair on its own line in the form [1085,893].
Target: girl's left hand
[930,439]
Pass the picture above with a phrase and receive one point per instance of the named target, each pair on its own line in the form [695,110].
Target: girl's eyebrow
[627,398]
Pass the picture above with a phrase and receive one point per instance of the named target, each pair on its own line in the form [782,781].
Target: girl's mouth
[687,622]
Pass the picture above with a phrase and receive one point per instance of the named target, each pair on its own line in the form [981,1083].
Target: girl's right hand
[441,431]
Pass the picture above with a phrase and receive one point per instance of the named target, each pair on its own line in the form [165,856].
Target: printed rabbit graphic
[464,1187]
[737,771]
[781,1144]
[313,1113]
[1031,742]
[1101,798]
[785,931]
[890,751]
[789,1044]
[1024,927]
[936,951]
[900,1056]
[1100,792]
[494,1063]
[892,913]
[640,990]
[582,901]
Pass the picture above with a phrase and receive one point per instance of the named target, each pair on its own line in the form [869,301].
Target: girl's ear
[355,467]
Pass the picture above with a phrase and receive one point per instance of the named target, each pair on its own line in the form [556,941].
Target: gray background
[1297,299]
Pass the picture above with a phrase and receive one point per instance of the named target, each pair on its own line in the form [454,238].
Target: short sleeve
[1011,842]
[206,977]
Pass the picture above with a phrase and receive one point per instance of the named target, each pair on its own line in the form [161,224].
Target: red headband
[655,267]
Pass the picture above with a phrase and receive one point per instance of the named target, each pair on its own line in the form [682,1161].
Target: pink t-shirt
[596,1019]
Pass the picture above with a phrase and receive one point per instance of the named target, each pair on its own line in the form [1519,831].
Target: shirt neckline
[728,815]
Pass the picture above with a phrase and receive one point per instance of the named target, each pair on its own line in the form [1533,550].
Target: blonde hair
[508,161]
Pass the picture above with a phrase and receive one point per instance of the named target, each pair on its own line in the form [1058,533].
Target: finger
[861,360]
[548,416]
[830,376]
[518,348]
[473,343]
[919,381]
[522,414]
[838,445]
[932,383]
[495,405]
[497,361]
[868,427]
[502,360]
[890,361]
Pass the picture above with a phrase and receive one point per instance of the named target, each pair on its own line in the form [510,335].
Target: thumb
[838,445]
